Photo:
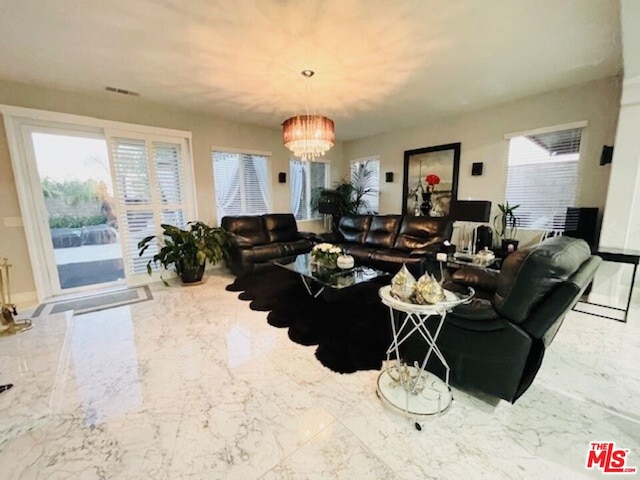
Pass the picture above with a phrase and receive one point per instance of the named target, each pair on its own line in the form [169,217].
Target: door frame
[27,180]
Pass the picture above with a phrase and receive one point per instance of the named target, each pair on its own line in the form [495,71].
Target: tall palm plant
[348,197]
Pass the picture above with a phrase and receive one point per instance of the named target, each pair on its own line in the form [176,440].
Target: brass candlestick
[8,325]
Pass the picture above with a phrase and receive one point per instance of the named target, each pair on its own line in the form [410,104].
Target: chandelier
[308,136]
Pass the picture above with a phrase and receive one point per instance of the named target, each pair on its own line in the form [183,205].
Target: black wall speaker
[476,168]
[581,223]
[607,155]
[282,177]
[388,177]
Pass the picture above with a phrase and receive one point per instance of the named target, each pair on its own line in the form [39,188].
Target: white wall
[621,223]
[482,136]
[207,131]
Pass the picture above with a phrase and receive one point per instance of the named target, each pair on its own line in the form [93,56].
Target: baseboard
[25,300]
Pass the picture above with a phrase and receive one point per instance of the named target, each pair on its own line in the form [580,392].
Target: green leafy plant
[76,221]
[187,251]
[347,197]
[506,222]
[72,192]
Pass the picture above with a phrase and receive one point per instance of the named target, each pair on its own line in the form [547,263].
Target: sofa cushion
[420,232]
[247,230]
[280,227]
[383,230]
[354,228]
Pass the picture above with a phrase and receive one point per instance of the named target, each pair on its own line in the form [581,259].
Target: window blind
[542,177]
[242,183]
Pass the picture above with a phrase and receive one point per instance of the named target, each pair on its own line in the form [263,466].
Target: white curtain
[262,172]
[226,172]
[297,175]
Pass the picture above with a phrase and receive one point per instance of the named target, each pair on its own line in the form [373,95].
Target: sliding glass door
[76,198]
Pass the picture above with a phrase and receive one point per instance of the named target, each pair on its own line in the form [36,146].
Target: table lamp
[475,211]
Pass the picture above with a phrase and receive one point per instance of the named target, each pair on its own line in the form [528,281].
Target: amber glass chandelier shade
[308,136]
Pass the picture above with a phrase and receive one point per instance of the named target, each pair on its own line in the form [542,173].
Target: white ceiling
[380,64]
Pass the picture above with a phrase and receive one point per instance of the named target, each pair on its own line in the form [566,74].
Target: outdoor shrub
[75,221]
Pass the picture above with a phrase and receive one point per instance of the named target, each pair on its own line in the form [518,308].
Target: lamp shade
[308,136]
[471,210]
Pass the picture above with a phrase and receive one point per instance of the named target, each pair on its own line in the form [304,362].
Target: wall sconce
[388,177]
[282,177]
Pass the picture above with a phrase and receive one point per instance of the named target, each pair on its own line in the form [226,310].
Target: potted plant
[347,198]
[187,250]
[506,226]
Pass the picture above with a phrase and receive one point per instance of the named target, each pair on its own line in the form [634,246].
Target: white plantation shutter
[150,189]
[543,176]
[242,183]
[315,175]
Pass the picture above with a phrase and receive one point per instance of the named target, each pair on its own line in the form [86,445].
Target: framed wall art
[431,180]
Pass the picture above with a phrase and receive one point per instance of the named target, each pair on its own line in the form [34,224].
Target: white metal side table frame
[412,390]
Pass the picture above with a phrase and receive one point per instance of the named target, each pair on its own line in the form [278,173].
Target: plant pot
[509,245]
[193,274]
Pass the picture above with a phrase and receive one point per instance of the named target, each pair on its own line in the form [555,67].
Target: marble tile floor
[195,385]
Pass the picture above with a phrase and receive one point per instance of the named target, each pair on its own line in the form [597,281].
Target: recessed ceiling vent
[122,91]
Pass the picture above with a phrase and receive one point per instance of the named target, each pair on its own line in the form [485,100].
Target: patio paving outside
[89,265]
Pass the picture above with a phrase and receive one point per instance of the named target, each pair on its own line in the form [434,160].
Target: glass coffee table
[318,280]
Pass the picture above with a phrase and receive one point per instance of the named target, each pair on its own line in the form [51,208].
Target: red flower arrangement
[432,179]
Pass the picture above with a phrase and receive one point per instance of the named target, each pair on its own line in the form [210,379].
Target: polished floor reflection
[195,385]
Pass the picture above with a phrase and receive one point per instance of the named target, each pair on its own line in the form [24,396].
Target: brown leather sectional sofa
[388,241]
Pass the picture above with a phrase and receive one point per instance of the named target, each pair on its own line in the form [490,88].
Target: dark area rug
[352,331]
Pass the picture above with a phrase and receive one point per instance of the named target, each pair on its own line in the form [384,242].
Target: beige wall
[207,131]
[482,136]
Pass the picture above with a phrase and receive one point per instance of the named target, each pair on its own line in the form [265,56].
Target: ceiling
[380,65]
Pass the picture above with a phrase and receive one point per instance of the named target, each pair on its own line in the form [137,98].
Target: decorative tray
[452,300]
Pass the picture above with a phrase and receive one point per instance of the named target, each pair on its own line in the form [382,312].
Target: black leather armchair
[257,239]
[497,345]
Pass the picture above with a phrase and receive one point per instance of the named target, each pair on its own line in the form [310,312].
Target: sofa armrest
[329,237]
[239,242]
[308,236]
[480,280]
[479,315]
[429,252]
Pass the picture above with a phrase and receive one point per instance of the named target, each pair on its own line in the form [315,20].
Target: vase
[425,206]
[192,274]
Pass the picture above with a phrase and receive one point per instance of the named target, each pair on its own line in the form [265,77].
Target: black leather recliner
[257,239]
[389,241]
[497,345]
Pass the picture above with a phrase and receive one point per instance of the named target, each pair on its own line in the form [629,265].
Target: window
[242,183]
[151,189]
[365,177]
[306,178]
[542,177]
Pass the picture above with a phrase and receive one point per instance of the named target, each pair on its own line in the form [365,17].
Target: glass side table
[412,390]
